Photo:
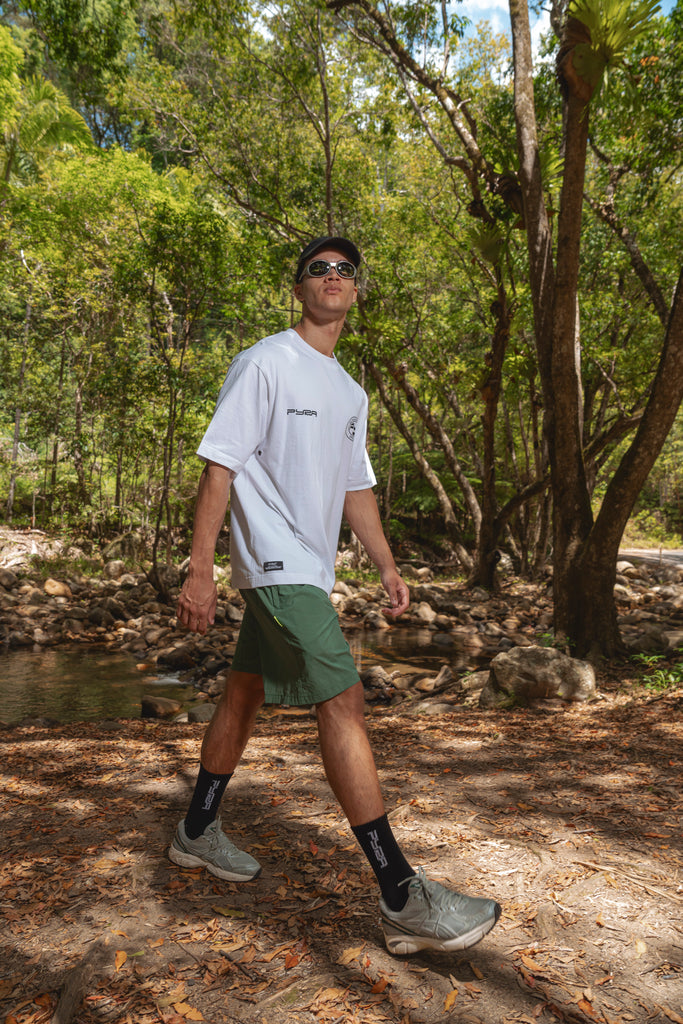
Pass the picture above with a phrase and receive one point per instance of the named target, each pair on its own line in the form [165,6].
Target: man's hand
[197,604]
[398,593]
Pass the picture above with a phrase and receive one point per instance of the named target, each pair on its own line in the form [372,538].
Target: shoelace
[435,895]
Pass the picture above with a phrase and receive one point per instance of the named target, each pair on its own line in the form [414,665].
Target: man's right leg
[199,839]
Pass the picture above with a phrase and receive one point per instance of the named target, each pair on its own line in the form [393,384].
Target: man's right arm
[197,600]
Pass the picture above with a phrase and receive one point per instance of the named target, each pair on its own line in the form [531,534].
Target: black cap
[341,244]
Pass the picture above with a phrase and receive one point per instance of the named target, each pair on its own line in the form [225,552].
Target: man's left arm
[362,515]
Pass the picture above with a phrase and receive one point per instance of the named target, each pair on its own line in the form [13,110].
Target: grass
[660,676]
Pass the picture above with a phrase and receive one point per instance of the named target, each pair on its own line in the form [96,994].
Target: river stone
[375,620]
[178,658]
[159,707]
[115,569]
[201,712]
[7,579]
[100,616]
[424,612]
[55,588]
[525,674]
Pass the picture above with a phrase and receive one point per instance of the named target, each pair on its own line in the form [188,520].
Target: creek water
[80,683]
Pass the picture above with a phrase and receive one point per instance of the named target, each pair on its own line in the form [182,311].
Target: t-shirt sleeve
[240,419]
[361,474]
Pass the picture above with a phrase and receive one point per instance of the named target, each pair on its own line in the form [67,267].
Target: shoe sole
[189,860]
[400,944]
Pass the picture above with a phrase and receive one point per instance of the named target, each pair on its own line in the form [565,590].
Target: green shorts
[291,636]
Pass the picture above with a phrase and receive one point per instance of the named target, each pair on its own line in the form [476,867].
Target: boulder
[159,707]
[8,580]
[525,674]
[201,712]
[178,658]
[55,588]
[425,613]
[115,569]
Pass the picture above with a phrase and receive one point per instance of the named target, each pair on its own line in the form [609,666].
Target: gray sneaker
[436,918]
[214,851]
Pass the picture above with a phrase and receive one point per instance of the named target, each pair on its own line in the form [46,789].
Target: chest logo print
[351,428]
[302,412]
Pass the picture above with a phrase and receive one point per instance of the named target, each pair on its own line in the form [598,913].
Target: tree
[595,39]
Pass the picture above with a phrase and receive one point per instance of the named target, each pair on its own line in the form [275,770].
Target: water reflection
[75,684]
[409,648]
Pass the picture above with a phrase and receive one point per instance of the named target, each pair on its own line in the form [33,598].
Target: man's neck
[323,337]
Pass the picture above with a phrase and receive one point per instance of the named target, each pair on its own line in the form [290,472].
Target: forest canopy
[163,164]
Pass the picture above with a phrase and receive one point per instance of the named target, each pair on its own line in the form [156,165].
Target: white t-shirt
[291,424]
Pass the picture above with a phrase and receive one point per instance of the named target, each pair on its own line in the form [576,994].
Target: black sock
[205,801]
[386,860]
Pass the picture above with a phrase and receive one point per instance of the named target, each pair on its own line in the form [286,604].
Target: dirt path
[571,818]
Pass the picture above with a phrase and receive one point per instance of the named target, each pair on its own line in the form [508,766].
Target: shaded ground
[571,818]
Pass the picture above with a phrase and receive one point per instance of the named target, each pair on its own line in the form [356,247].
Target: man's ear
[297,292]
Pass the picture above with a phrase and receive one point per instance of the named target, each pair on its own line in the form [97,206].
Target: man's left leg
[350,769]
[417,913]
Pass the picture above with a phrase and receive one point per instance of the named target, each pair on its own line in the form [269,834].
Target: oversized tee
[291,424]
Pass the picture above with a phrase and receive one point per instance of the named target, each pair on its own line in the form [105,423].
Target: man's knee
[350,703]
[244,688]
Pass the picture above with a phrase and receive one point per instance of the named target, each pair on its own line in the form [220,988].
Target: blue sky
[496,13]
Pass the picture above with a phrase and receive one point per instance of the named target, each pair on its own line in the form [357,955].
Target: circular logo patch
[351,428]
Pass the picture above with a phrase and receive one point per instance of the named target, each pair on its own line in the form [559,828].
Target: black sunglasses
[321,268]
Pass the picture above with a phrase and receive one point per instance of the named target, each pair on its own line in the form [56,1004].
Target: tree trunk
[592,610]
[17,416]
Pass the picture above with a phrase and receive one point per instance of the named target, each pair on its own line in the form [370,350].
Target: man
[287,442]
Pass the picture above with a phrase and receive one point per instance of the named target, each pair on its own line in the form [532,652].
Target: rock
[525,674]
[201,712]
[376,675]
[55,588]
[8,580]
[430,708]
[375,620]
[232,613]
[115,569]
[342,588]
[159,707]
[100,616]
[178,658]
[425,613]
[474,681]
[116,609]
[674,638]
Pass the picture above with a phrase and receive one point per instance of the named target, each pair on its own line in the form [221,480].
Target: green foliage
[660,675]
[615,26]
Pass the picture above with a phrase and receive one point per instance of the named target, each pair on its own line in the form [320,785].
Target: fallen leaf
[312,847]
[379,986]
[329,995]
[187,1011]
[586,1007]
[450,998]
[228,911]
[352,953]
[291,960]
[268,957]
[121,957]
[640,948]
[671,1014]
